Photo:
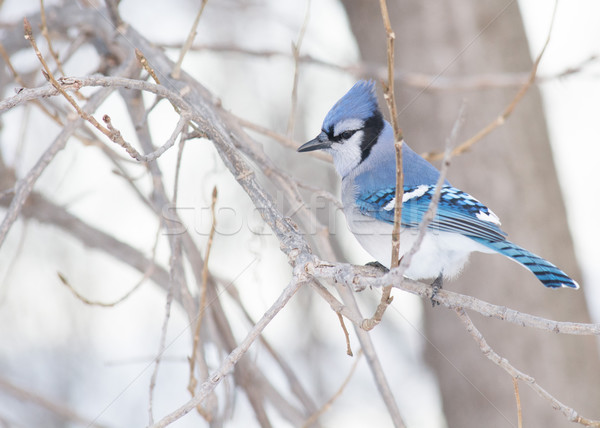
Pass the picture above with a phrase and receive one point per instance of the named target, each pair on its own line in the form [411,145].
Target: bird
[361,143]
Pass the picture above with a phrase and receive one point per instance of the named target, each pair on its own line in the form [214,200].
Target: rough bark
[512,171]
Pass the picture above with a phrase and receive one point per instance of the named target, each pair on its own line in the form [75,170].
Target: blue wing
[457,211]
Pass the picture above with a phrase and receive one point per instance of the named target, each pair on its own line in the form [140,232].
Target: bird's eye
[347,134]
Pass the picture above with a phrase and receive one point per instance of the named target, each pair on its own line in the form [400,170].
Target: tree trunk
[512,172]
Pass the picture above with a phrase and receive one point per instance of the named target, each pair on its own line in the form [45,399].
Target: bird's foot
[378,266]
[436,286]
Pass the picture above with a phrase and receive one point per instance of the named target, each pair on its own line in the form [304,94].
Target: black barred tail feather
[546,272]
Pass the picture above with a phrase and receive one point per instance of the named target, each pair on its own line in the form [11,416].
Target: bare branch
[113,11]
[202,306]
[427,82]
[361,277]
[227,365]
[56,408]
[282,139]
[48,40]
[429,215]
[20,81]
[188,43]
[569,412]
[292,378]
[390,99]
[518,399]
[296,54]
[175,284]
[24,186]
[335,396]
[147,274]
[500,120]
[144,62]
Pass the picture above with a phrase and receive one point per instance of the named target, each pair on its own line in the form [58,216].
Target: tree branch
[486,349]
[227,365]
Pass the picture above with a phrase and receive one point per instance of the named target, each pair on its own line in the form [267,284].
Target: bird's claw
[378,266]
[436,287]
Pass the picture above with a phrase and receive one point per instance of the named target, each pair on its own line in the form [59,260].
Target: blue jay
[361,143]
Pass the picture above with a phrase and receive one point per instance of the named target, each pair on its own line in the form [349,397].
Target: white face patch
[416,193]
[347,125]
[347,154]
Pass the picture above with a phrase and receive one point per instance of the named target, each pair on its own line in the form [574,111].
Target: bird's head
[350,129]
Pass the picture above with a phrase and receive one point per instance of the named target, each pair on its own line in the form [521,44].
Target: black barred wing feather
[457,211]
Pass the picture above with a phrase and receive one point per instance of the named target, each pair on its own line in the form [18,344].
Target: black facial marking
[340,138]
[372,129]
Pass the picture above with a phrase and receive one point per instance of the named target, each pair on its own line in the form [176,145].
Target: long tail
[546,272]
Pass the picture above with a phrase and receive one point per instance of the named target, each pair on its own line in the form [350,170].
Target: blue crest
[360,102]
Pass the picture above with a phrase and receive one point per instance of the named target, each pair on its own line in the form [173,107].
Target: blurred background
[65,362]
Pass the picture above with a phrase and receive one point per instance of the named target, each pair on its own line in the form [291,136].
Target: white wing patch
[489,216]
[416,193]
[390,205]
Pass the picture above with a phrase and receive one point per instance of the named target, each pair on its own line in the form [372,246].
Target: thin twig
[293,380]
[24,186]
[425,221]
[386,297]
[429,215]
[280,138]
[111,132]
[174,285]
[296,54]
[567,411]
[21,82]
[182,140]
[427,82]
[398,140]
[48,40]
[7,60]
[227,365]
[115,135]
[346,335]
[147,274]
[313,418]
[58,407]
[501,119]
[202,306]
[335,304]
[144,62]
[518,399]
[50,77]
[188,43]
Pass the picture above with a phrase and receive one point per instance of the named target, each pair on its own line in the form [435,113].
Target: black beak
[321,142]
